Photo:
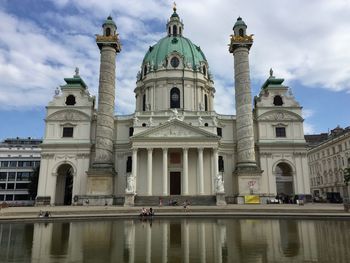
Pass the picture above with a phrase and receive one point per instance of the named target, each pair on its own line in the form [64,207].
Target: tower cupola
[175,26]
[109,27]
[240,27]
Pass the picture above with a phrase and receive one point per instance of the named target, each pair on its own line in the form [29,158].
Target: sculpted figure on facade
[130,184]
[219,182]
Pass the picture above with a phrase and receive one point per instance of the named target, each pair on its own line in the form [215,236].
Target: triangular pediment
[175,129]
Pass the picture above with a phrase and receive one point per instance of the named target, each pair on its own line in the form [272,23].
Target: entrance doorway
[64,185]
[175,183]
[284,179]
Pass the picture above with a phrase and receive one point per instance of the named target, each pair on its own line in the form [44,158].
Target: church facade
[174,146]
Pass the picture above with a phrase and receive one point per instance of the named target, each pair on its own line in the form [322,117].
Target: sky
[42,41]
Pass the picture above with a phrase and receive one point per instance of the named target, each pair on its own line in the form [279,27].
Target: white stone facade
[175,144]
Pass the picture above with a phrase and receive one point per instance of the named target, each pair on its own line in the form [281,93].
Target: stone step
[169,200]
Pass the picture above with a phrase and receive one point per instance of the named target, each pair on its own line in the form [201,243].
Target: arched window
[205,102]
[221,163]
[169,31]
[108,31]
[204,71]
[174,98]
[241,32]
[144,102]
[180,30]
[277,100]
[70,100]
[145,70]
[175,30]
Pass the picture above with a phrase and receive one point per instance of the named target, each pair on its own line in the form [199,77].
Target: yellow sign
[251,199]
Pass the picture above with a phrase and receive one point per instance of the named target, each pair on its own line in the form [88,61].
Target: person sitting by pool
[47,214]
[143,212]
[150,212]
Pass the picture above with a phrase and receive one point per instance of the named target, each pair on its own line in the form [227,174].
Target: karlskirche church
[174,146]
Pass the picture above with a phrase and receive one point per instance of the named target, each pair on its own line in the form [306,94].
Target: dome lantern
[174,25]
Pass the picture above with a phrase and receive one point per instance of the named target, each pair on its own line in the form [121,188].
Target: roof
[157,54]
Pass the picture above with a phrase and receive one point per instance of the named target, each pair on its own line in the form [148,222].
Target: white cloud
[301,40]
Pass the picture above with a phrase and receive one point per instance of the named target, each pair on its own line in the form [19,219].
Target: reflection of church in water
[175,144]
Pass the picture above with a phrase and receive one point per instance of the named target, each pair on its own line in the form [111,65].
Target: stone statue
[130,184]
[57,91]
[76,72]
[215,121]
[176,113]
[219,182]
[271,73]
[150,121]
[136,120]
[200,121]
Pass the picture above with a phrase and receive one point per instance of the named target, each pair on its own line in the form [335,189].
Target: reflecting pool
[177,240]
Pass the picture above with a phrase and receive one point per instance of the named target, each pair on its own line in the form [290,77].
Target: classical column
[109,45]
[185,172]
[149,171]
[134,166]
[200,171]
[165,171]
[239,46]
[216,162]
[101,173]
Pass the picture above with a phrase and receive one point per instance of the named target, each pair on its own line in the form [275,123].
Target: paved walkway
[271,210]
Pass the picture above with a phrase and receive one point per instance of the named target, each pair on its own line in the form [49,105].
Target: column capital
[134,149]
[185,149]
[165,149]
[149,149]
[200,149]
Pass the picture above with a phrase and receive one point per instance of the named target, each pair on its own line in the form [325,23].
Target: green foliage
[347,176]
[33,185]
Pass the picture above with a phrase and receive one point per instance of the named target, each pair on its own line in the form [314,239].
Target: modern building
[174,145]
[18,159]
[327,161]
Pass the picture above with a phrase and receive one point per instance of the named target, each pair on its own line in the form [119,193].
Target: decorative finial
[271,73]
[76,72]
[174,7]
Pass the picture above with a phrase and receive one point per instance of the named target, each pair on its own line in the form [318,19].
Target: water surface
[177,240]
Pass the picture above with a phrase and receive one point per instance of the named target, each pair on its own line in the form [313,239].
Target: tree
[33,185]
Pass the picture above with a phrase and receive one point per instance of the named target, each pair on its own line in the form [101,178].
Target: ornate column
[101,174]
[246,164]
[185,171]
[165,171]
[200,171]
[149,170]
[216,161]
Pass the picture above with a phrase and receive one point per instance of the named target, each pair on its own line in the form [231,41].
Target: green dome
[157,54]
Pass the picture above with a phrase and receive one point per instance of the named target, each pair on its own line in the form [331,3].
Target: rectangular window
[219,131]
[129,164]
[9,198]
[4,164]
[23,176]
[280,132]
[11,186]
[2,186]
[67,132]
[3,176]
[221,164]
[22,197]
[131,131]
[27,164]
[2,197]
[12,176]
[21,186]
[13,163]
